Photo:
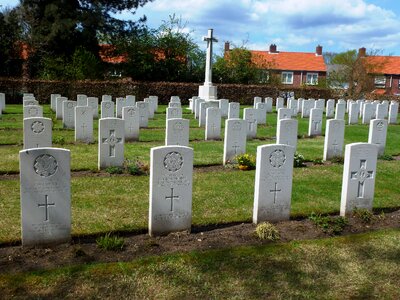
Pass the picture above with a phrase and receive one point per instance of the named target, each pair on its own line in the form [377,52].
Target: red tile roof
[384,64]
[107,54]
[289,61]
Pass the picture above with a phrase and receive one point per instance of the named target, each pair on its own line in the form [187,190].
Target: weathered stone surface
[45,189]
[83,124]
[171,181]
[111,143]
[286,132]
[334,139]
[37,132]
[235,139]
[177,132]
[213,124]
[377,134]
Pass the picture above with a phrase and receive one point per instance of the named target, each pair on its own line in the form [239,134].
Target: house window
[380,81]
[287,77]
[312,78]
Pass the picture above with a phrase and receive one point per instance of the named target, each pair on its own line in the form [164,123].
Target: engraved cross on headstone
[361,175]
[83,126]
[213,127]
[236,147]
[275,191]
[46,205]
[112,140]
[316,124]
[335,147]
[172,197]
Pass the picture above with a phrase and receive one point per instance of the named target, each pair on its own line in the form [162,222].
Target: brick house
[386,72]
[294,68]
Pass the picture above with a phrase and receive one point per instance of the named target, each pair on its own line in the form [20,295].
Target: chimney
[362,52]
[318,50]
[272,48]
[226,48]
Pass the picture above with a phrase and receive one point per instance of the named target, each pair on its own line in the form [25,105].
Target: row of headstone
[46,213]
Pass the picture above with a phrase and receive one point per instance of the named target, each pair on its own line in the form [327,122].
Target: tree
[57,28]
[353,71]
[167,53]
[237,66]
[10,35]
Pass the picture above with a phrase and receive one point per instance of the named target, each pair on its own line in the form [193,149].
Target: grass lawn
[351,267]
[361,266]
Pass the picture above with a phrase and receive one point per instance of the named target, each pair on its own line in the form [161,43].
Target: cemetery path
[82,250]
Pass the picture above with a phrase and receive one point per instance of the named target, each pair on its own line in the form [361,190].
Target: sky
[293,25]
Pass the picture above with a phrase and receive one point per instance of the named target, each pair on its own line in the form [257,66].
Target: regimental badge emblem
[45,165]
[173,161]
[277,158]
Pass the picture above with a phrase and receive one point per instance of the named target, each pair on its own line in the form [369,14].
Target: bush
[267,231]
[137,168]
[299,160]
[330,225]
[115,170]
[363,214]
[246,161]
[110,242]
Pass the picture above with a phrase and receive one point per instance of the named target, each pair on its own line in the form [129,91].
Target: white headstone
[120,103]
[32,111]
[130,100]
[315,124]
[59,106]
[83,124]
[381,111]
[293,106]
[175,99]
[174,113]
[107,109]
[334,139]
[143,113]
[224,107]
[256,100]
[111,143]
[280,103]
[68,118]
[273,184]
[174,104]
[306,108]
[45,188]
[177,132]
[330,108]
[268,101]
[284,113]
[377,134]
[286,132]
[359,174]
[106,98]
[235,139]
[234,110]
[130,115]
[340,111]
[320,103]
[202,113]
[2,102]
[93,102]
[37,133]
[197,107]
[213,124]
[27,102]
[251,116]
[353,113]
[53,101]
[154,100]
[300,105]
[262,113]
[81,100]
[150,106]
[393,112]
[171,180]
[367,113]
